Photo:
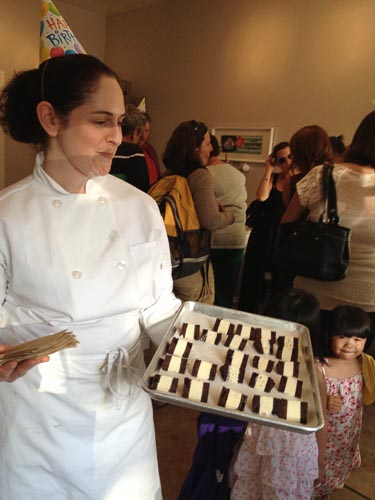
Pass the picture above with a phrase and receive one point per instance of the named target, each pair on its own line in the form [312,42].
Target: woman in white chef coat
[79,250]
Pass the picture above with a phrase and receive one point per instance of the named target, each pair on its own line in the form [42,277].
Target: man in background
[149,152]
[129,163]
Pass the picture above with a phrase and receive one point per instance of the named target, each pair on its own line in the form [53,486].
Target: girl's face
[205,149]
[87,140]
[347,348]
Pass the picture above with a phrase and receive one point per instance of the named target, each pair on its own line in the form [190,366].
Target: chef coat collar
[92,185]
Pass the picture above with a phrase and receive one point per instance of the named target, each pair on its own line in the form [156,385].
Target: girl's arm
[321,435]
[286,192]
[294,210]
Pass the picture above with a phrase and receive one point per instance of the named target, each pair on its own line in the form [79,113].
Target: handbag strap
[329,195]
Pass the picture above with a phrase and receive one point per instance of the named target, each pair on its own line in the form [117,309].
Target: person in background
[355,189]
[227,244]
[256,277]
[310,146]
[338,147]
[349,377]
[273,463]
[217,435]
[187,153]
[151,156]
[129,162]
[84,251]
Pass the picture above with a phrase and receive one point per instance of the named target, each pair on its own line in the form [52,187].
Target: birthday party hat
[56,38]
[142,105]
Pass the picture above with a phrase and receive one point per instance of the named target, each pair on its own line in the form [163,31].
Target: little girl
[274,463]
[349,376]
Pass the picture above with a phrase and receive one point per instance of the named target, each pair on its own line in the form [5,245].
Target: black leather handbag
[318,250]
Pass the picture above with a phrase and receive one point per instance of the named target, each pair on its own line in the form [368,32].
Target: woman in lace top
[355,187]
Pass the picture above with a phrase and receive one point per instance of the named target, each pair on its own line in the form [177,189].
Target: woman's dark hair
[65,82]
[298,306]
[310,146]
[349,321]
[279,146]
[362,148]
[337,144]
[181,155]
[215,146]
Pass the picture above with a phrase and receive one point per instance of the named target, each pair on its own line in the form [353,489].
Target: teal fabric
[226,264]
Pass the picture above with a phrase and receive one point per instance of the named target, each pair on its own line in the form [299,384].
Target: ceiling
[111,6]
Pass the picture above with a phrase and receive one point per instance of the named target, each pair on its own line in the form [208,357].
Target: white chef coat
[79,427]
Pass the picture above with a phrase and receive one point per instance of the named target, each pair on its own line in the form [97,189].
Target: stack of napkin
[40,347]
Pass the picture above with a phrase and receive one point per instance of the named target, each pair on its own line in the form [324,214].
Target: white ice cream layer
[233,400]
[165,383]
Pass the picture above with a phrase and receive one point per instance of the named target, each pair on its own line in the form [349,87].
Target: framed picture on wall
[244,144]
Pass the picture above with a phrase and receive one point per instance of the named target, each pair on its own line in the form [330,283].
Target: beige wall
[19,49]
[249,63]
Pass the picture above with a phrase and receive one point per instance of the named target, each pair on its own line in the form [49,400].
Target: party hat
[56,38]
[142,105]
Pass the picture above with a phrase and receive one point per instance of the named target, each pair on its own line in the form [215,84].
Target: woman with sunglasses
[256,281]
[281,157]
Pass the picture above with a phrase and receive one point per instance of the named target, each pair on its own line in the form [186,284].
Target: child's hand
[321,477]
[334,403]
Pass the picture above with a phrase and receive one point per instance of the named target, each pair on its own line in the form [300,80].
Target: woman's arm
[294,210]
[265,184]
[211,216]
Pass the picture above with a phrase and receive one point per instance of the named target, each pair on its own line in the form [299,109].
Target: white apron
[80,427]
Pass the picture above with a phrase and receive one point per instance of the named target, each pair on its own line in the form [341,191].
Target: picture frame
[244,144]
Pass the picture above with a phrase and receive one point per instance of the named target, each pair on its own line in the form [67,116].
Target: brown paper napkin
[40,347]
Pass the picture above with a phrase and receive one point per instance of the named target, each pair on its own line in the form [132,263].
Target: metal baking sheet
[205,316]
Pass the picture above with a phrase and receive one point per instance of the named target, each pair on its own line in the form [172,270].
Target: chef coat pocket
[147,260]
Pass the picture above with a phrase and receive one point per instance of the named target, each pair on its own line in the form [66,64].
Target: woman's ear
[48,118]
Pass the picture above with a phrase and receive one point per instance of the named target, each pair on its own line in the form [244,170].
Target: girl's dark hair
[65,82]
[180,155]
[337,144]
[362,148]
[298,306]
[215,146]
[280,145]
[310,146]
[349,321]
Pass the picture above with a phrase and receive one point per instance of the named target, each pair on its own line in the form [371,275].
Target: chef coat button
[76,274]
[121,264]
[114,234]
[102,200]
[57,203]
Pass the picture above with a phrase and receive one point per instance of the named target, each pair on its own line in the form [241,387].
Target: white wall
[249,63]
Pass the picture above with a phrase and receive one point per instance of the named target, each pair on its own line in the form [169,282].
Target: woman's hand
[265,184]
[11,371]
[270,164]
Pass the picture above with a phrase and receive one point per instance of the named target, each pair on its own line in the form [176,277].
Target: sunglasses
[284,159]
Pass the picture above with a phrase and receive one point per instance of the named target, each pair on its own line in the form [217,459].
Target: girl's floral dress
[343,432]
[274,464]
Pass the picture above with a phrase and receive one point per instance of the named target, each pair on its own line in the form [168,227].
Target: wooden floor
[177,438]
